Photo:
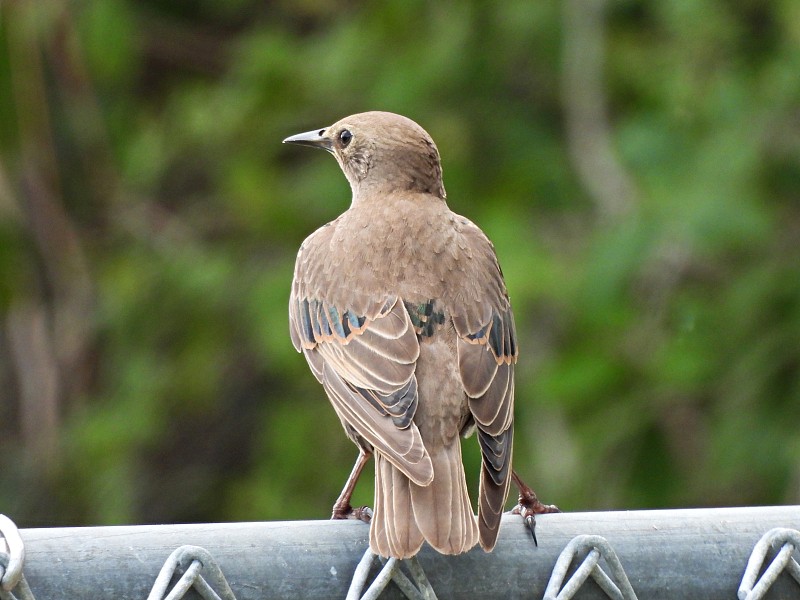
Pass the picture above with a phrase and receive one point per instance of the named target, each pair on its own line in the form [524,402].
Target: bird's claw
[530,521]
[361,513]
[528,514]
[529,506]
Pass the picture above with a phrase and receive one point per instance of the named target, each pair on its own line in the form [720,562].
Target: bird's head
[380,152]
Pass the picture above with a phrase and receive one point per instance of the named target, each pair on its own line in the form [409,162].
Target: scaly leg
[342,508]
[529,505]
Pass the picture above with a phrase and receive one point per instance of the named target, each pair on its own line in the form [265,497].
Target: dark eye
[344,137]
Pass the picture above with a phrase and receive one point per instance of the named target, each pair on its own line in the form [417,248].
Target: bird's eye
[344,137]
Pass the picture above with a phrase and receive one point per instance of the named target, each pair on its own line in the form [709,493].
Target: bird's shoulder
[317,260]
[409,246]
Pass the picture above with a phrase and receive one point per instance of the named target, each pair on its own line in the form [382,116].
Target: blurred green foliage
[149,218]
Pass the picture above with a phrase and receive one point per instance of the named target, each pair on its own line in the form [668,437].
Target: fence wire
[586,556]
[12,559]
[197,564]
[597,547]
[415,588]
[753,588]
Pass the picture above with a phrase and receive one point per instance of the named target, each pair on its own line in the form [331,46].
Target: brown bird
[400,309]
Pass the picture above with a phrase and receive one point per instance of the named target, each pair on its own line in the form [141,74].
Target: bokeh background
[637,164]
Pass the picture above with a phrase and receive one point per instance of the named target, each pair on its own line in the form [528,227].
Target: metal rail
[665,554]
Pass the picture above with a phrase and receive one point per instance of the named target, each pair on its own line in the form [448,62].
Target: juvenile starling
[400,309]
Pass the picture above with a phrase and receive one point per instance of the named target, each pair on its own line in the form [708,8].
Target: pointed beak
[315,139]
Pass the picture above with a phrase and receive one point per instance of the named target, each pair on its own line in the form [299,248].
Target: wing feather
[403,447]
[366,363]
[487,353]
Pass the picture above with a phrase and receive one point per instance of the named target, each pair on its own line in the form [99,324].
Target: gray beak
[315,139]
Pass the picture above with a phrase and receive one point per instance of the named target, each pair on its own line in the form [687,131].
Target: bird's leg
[342,508]
[529,505]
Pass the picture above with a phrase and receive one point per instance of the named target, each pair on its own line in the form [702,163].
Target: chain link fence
[744,553]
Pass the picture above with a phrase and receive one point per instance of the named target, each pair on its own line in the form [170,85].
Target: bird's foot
[529,506]
[361,513]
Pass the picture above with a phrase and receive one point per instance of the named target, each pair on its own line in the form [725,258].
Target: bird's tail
[407,514]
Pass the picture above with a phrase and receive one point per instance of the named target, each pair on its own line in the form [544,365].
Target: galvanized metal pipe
[667,554]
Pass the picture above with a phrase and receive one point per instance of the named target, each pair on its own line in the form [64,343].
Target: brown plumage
[400,309]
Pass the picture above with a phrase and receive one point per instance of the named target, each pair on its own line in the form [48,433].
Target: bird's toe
[360,513]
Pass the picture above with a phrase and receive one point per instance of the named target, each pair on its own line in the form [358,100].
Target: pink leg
[342,508]
[529,505]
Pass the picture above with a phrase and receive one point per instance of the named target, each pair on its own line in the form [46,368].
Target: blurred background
[637,164]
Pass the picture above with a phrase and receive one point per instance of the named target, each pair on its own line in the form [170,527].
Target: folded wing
[366,359]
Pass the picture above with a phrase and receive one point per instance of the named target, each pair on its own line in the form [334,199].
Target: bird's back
[410,245]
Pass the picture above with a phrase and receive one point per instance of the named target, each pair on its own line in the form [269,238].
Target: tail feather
[443,510]
[439,513]
[394,530]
